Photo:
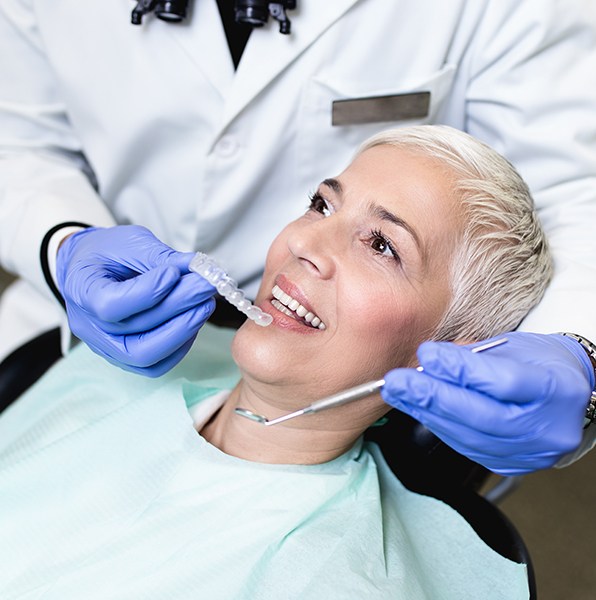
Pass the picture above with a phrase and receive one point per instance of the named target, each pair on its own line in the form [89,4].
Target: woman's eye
[379,243]
[320,205]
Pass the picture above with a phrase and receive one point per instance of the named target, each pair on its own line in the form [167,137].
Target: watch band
[590,349]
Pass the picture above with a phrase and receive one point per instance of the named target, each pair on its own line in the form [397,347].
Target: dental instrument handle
[355,393]
[366,389]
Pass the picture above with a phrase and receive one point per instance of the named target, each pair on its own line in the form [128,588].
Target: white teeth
[289,305]
[281,307]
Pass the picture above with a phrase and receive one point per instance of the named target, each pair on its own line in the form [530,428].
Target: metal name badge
[375,109]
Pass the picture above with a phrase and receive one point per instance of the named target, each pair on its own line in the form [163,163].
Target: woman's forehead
[420,189]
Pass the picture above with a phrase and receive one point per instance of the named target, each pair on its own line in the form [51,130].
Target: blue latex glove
[515,408]
[131,298]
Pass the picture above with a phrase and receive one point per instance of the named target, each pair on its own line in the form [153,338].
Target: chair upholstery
[23,367]
[421,460]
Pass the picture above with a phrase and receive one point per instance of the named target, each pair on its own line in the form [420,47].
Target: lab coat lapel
[268,52]
[204,42]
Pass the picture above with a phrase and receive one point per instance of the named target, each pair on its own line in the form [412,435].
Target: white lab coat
[218,160]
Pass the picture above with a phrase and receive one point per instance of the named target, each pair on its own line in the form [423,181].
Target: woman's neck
[311,439]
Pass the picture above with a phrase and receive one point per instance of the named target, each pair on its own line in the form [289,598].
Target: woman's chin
[256,355]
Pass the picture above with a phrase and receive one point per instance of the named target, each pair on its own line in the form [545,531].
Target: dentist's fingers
[189,294]
[441,400]
[146,352]
[494,373]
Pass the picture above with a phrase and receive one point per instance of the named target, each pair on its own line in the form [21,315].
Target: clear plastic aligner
[206,267]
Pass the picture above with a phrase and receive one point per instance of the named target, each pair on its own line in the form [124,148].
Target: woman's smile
[288,300]
[292,308]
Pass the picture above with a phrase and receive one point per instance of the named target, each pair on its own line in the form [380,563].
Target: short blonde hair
[502,264]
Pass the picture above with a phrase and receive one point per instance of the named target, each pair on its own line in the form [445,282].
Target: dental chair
[418,458]
[25,365]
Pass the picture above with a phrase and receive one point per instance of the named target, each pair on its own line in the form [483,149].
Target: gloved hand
[515,408]
[131,298]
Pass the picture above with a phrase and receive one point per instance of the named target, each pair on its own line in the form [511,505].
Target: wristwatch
[590,348]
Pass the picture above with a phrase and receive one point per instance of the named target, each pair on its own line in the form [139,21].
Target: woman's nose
[316,246]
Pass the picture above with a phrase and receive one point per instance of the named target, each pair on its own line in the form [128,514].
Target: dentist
[119,142]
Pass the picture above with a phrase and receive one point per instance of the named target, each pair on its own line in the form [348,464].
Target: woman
[108,491]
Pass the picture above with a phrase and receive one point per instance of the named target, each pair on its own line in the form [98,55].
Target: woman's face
[368,263]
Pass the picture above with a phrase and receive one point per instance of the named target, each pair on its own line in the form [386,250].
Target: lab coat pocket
[337,115]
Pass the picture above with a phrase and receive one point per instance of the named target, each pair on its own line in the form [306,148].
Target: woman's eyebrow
[334,184]
[381,213]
